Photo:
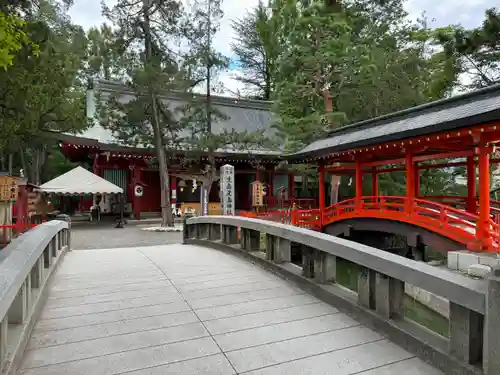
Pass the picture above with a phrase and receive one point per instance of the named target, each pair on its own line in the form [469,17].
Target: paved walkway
[179,309]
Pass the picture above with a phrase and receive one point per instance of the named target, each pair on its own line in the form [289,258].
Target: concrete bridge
[217,304]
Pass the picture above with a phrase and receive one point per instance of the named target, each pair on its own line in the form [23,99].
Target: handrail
[473,323]
[26,264]
[451,222]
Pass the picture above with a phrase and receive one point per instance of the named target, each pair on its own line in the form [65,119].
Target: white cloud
[88,13]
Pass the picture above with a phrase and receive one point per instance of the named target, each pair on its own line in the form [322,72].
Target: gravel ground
[104,236]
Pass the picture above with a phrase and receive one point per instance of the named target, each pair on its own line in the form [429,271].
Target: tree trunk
[166,211]
[11,163]
[23,163]
[2,161]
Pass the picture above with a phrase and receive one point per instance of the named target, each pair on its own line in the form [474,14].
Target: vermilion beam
[444,155]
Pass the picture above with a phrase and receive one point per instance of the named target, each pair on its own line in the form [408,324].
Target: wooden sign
[257,194]
[8,188]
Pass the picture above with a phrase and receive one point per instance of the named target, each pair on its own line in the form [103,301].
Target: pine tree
[144,30]
[256,47]
[199,141]
[478,50]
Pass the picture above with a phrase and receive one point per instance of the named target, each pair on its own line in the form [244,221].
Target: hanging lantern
[182,184]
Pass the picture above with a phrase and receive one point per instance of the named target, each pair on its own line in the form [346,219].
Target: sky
[469,13]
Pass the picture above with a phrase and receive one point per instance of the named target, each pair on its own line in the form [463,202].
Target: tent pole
[119,224]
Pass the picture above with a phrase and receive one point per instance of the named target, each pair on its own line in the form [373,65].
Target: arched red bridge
[459,132]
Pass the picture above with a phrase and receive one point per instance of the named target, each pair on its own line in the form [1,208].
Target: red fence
[443,215]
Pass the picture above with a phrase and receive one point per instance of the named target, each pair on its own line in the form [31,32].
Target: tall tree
[256,49]
[320,63]
[144,35]
[12,37]
[477,49]
[43,93]
[199,116]
[103,60]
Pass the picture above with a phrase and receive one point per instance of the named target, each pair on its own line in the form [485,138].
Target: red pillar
[416,181]
[271,183]
[374,182]
[410,182]
[471,185]
[483,225]
[359,184]
[321,193]
[136,201]
[291,187]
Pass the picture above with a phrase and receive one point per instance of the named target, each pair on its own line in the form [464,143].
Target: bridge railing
[26,266]
[473,343]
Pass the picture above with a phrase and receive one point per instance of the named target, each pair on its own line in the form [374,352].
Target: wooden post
[291,187]
[471,185]
[295,218]
[410,182]
[482,230]
[374,182]
[321,193]
[359,184]
[416,181]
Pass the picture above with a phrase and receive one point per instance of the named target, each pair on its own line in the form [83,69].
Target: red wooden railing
[445,215]
[275,202]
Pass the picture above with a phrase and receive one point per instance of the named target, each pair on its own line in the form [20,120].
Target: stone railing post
[366,288]
[214,232]
[19,308]
[229,235]
[4,327]
[389,296]
[250,239]
[282,250]
[308,255]
[491,343]
[325,267]
[203,231]
[466,334]
[270,247]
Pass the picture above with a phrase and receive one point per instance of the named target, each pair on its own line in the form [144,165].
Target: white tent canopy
[80,181]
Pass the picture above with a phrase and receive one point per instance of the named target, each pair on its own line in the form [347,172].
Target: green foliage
[478,50]
[256,48]
[327,65]
[12,38]
[42,92]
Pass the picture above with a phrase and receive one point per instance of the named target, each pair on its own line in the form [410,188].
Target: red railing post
[295,215]
[374,182]
[359,184]
[321,193]
[410,182]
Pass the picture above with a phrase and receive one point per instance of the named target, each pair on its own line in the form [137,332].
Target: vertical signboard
[227,189]
[204,201]
[257,194]
[8,188]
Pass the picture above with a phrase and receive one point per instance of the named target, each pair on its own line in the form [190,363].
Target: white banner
[227,190]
